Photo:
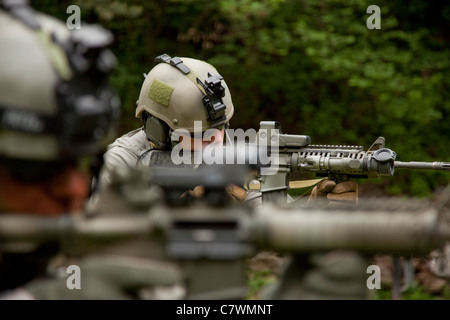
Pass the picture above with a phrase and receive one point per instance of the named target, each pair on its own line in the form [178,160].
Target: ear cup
[157,131]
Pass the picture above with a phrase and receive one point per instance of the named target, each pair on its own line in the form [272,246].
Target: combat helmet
[176,93]
[55,101]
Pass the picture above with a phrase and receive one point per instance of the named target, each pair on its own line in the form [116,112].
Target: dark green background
[314,66]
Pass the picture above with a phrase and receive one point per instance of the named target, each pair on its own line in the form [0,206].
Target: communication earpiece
[158,132]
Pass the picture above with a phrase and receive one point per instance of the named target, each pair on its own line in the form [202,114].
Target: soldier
[57,113]
[173,99]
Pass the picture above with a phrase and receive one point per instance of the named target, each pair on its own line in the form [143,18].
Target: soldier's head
[57,110]
[183,96]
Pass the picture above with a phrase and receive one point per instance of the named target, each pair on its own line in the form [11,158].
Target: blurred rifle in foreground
[217,235]
[374,225]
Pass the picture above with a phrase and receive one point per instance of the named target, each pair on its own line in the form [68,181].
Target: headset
[87,107]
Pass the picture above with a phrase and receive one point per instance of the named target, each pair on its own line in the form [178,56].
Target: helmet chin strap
[228,140]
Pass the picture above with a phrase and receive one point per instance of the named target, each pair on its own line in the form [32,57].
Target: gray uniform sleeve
[124,151]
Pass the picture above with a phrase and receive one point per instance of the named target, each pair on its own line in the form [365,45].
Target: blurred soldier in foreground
[57,114]
[51,127]
[109,276]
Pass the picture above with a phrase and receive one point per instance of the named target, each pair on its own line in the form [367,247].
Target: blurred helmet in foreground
[55,100]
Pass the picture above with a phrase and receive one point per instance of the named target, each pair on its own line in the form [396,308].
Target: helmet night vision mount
[86,109]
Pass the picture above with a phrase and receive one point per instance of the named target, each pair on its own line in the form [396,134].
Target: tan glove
[197,192]
[336,193]
[235,192]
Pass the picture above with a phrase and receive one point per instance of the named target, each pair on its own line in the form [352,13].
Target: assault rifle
[295,153]
[212,235]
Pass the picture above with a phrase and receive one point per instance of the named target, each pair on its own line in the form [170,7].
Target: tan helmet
[179,92]
[55,101]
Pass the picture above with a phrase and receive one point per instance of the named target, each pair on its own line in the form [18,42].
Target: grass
[414,292]
[258,280]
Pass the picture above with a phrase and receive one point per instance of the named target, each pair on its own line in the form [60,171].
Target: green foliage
[257,281]
[313,66]
[414,292]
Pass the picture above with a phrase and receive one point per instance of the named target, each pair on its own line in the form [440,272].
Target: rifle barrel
[444,166]
[25,227]
[401,230]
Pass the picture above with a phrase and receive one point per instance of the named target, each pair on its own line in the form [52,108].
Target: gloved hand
[336,193]
[235,192]
[197,192]
[107,278]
